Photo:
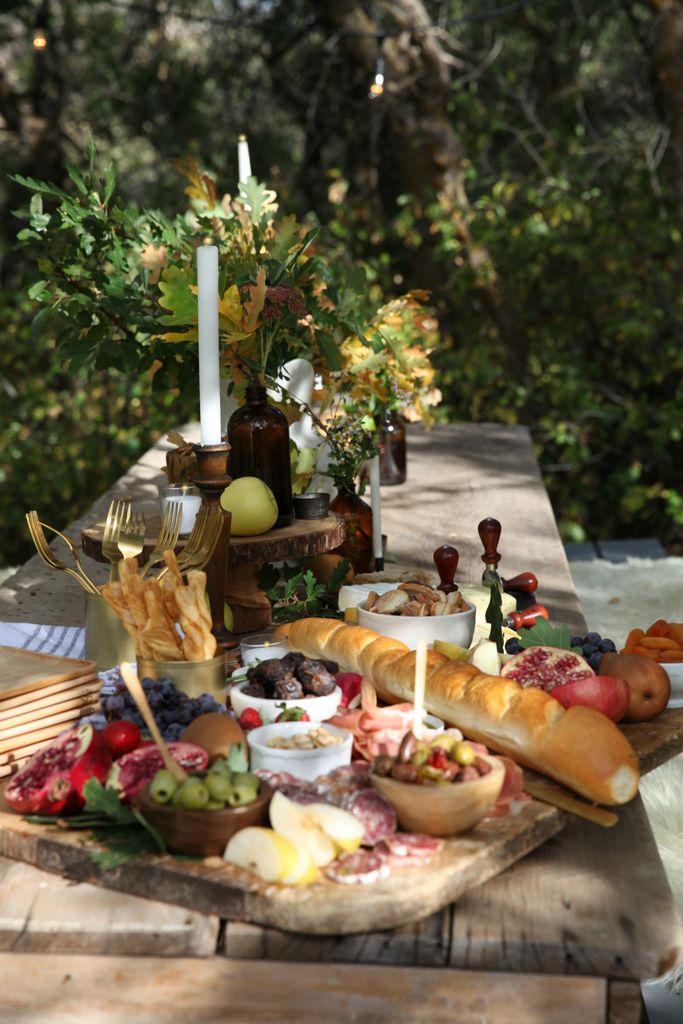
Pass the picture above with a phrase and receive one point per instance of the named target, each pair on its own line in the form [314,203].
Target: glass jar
[259,446]
[357,515]
[392,455]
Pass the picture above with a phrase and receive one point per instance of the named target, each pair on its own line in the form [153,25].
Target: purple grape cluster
[592,647]
[172,709]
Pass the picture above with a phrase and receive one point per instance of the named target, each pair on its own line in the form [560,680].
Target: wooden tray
[303,538]
[325,908]
[24,671]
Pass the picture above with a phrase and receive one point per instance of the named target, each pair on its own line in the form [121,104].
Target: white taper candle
[419,695]
[376,501]
[243,159]
[209,363]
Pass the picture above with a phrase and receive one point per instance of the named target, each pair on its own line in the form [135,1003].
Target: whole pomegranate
[52,781]
[546,667]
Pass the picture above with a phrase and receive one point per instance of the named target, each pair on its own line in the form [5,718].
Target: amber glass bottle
[392,456]
[357,516]
[259,446]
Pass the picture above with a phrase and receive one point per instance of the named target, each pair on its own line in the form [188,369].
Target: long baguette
[579,747]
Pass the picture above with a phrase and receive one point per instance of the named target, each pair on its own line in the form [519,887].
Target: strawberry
[249,719]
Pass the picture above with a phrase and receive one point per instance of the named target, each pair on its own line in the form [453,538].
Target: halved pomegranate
[134,770]
[52,781]
[546,667]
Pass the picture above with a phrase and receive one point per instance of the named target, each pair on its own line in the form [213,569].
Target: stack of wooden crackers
[40,696]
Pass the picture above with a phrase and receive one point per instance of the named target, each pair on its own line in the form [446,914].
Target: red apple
[607,694]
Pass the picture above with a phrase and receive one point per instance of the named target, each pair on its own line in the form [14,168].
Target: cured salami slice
[359,868]
[343,781]
[299,790]
[376,813]
[410,848]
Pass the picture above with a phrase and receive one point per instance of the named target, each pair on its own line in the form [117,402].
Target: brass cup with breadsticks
[170,628]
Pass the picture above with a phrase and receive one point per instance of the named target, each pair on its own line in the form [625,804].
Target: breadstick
[198,642]
[134,595]
[113,595]
[160,632]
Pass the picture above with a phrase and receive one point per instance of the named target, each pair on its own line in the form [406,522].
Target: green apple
[252,504]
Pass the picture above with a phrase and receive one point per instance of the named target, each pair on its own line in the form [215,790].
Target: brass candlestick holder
[211,476]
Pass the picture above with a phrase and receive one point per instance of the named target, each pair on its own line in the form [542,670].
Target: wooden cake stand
[249,607]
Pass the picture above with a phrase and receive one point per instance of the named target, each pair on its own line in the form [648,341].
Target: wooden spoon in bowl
[134,686]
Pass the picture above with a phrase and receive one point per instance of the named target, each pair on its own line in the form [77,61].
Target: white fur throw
[662,793]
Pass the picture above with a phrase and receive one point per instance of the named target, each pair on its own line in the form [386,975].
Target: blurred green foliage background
[522,164]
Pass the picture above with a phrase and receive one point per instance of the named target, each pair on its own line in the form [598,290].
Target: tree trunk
[420,151]
[666,59]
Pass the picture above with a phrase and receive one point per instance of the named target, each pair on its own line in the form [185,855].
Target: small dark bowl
[313,505]
[202,833]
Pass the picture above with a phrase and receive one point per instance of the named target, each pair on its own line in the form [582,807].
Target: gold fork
[201,542]
[132,536]
[91,585]
[45,552]
[168,535]
[119,511]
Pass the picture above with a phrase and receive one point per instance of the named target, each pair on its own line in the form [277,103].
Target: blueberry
[173,732]
[593,638]
[588,649]
[576,641]
[594,661]
[154,699]
[512,646]
[607,646]
[147,683]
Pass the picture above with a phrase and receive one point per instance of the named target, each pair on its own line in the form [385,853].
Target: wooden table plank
[590,901]
[113,990]
[43,913]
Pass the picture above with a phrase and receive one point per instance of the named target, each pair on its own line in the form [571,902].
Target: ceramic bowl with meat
[420,613]
[294,681]
[303,749]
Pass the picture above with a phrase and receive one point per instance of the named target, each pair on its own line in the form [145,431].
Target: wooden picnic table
[564,935]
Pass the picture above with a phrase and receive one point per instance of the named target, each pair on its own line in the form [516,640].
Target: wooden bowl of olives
[203,831]
[442,798]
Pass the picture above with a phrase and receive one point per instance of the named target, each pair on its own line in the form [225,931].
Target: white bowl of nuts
[304,749]
[413,612]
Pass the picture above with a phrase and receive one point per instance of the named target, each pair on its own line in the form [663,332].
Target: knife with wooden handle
[550,793]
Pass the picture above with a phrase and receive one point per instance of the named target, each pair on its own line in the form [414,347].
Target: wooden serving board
[324,908]
[303,538]
[25,671]
[85,686]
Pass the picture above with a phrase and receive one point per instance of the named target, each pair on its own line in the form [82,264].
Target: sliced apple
[344,829]
[304,871]
[290,819]
[452,651]
[269,855]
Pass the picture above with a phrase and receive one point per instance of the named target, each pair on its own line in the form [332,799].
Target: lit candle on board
[376,501]
[243,159]
[209,366]
[419,694]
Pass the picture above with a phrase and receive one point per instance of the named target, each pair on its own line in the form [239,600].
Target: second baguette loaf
[579,747]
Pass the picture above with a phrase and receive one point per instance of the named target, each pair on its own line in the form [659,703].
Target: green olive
[463,753]
[162,786]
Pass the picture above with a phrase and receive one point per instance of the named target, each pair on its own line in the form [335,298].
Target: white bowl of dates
[290,682]
[413,612]
[674,670]
[200,815]
[304,749]
[440,794]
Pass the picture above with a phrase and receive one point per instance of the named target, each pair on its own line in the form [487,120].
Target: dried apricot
[658,628]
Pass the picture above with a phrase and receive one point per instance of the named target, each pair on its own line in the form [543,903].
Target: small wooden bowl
[202,833]
[446,809]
